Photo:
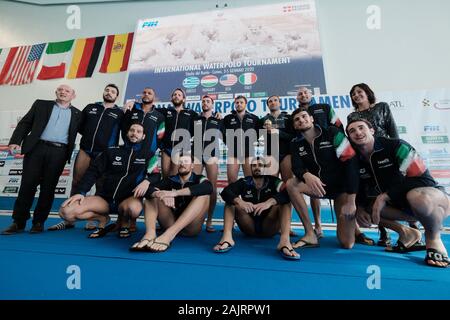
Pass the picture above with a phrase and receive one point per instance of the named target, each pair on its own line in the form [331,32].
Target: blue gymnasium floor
[34,267]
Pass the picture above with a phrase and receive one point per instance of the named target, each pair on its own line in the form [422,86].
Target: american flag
[228,80]
[24,65]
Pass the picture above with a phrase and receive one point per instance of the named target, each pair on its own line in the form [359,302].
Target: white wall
[409,52]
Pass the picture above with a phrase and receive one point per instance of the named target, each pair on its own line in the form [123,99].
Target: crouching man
[407,191]
[179,204]
[260,206]
[124,169]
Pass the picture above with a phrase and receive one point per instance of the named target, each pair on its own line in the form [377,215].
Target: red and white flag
[21,67]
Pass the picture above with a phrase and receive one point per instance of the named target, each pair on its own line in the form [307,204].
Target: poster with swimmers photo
[228,52]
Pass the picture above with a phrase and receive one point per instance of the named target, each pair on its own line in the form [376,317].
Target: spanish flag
[117,53]
[85,57]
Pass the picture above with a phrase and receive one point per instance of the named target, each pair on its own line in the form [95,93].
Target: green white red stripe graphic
[334,118]
[410,163]
[280,186]
[54,61]
[153,165]
[161,131]
[247,78]
[209,81]
[344,150]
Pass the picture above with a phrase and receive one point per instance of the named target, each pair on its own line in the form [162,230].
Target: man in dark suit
[47,134]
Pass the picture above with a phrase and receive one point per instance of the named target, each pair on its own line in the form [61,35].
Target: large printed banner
[257,51]
[422,119]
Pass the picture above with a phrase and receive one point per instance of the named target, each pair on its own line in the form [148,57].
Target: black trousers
[42,166]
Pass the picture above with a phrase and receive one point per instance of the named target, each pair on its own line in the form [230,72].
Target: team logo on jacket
[117,161]
[139,161]
[385,163]
[113,115]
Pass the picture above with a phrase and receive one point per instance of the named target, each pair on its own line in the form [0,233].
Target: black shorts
[257,221]
[332,191]
[92,154]
[179,208]
[403,204]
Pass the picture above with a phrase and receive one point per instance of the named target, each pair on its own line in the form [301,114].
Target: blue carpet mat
[35,267]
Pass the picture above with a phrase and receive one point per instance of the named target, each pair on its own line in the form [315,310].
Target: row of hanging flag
[18,65]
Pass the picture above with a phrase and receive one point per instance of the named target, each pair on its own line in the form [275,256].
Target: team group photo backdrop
[254,48]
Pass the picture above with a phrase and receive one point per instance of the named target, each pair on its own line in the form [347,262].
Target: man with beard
[207,130]
[405,191]
[124,169]
[144,112]
[279,133]
[324,116]
[260,205]
[325,166]
[241,132]
[46,137]
[179,123]
[100,129]
[178,203]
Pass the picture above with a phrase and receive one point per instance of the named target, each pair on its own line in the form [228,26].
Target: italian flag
[153,165]
[161,131]
[410,163]
[344,150]
[280,186]
[54,61]
[334,119]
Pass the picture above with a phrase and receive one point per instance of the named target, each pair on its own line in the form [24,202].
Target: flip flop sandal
[101,232]
[135,247]
[401,248]
[363,239]
[288,256]
[436,256]
[124,232]
[223,250]
[306,244]
[167,246]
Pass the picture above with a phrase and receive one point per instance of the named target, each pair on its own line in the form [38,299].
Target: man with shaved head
[46,137]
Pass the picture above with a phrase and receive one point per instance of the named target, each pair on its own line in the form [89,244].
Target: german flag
[85,57]
[117,53]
